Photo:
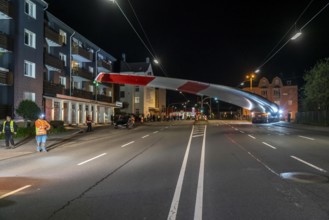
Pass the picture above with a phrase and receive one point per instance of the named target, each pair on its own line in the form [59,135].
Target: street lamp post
[250,76]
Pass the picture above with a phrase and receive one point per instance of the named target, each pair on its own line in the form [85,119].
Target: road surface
[176,170]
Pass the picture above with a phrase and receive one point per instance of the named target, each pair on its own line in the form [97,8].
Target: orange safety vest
[41,127]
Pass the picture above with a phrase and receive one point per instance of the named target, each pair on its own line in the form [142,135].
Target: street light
[297,35]
[251,76]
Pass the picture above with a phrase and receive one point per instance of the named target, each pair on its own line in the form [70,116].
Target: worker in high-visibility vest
[41,128]
[9,128]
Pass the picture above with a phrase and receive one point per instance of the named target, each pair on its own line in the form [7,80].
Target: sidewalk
[302,126]
[28,146]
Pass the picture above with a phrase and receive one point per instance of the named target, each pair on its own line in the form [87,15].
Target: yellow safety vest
[11,126]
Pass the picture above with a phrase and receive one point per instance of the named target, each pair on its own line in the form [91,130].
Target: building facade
[283,94]
[146,101]
[44,60]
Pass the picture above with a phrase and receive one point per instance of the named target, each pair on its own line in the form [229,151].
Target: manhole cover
[304,177]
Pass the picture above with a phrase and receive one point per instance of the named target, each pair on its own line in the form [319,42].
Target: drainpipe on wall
[71,63]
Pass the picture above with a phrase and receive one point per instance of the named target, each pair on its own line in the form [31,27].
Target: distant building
[142,100]
[284,94]
[44,60]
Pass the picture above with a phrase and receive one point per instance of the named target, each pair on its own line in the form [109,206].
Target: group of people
[9,129]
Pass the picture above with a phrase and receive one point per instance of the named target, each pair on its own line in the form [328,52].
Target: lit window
[136,99]
[63,58]
[29,69]
[91,88]
[91,69]
[63,38]
[110,93]
[29,96]
[29,38]
[30,8]
[289,102]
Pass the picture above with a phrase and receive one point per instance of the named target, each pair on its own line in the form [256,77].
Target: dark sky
[210,41]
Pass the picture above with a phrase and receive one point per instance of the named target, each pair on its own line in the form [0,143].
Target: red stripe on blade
[126,79]
[193,87]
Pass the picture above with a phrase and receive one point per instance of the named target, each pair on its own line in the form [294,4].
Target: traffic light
[96,83]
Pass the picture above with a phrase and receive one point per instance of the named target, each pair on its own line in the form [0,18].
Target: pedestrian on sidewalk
[9,128]
[88,121]
[41,128]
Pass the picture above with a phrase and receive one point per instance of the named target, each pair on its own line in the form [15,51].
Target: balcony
[104,66]
[5,10]
[103,98]
[53,63]
[81,55]
[51,89]
[52,37]
[81,94]
[6,78]
[5,43]
[76,71]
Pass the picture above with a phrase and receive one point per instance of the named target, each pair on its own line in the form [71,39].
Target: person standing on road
[9,128]
[41,128]
[88,121]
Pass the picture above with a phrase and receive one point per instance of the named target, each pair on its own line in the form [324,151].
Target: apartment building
[46,61]
[142,100]
[284,94]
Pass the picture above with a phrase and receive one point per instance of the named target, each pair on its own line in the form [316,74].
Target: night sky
[209,41]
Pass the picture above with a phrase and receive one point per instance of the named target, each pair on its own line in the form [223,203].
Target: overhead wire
[294,25]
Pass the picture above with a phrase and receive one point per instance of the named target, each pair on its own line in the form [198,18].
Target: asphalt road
[173,171]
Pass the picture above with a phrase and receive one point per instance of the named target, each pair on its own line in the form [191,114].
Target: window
[30,8]
[63,58]
[77,85]
[62,81]
[91,69]
[122,94]
[276,92]
[91,88]
[29,69]
[137,89]
[289,102]
[29,96]
[63,38]
[29,38]
[110,93]
[264,92]
[136,99]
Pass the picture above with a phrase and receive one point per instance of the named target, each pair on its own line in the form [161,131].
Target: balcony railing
[104,65]
[6,78]
[81,54]
[103,98]
[82,73]
[53,61]
[51,89]
[6,8]
[81,94]
[53,36]
[5,42]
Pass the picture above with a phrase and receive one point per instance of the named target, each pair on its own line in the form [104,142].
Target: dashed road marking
[146,136]
[125,145]
[308,138]
[309,164]
[251,136]
[15,191]
[86,161]
[269,145]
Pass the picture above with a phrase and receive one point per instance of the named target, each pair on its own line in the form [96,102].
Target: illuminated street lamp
[156,61]
[297,35]
[251,76]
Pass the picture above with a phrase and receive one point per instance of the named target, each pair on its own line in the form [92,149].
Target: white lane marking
[86,161]
[125,145]
[309,164]
[15,191]
[175,202]
[155,132]
[242,132]
[146,136]
[251,136]
[269,145]
[199,194]
[236,129]
[199,135]
[308,138]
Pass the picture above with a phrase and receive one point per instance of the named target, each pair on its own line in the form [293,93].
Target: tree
[28,110]
[316,87]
